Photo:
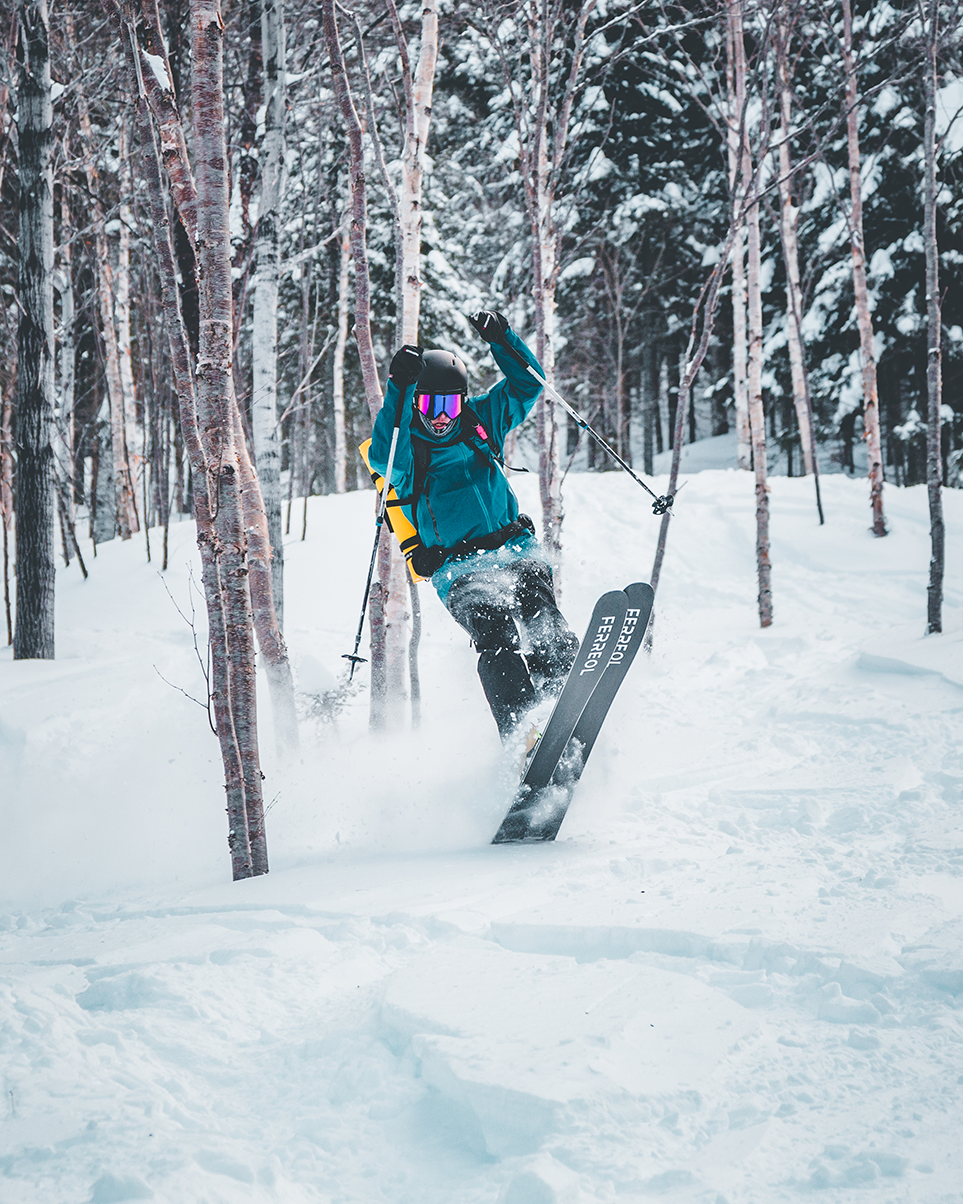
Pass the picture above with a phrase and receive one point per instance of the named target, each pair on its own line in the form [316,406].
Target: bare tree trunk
[934,460]
[788,227]
[215,401]
[362,330]
[63,282]
[649,388]
[62,440]
[337,365]
[400,646]
[270,640]
[6,504]
[542,84]
[863,316]
[358,221]
[736,118]
[749,195]
[36,570]
[178,341]
[277,667]
[757,418]
[132,444]
[158,85]
[264,338]
[126,517]
[544,276]
[418,119]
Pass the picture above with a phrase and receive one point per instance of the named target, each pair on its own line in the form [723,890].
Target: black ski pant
[525,648]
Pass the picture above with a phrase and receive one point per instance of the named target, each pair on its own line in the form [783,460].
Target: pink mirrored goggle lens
[437,405]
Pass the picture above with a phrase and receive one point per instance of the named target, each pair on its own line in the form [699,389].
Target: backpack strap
[472,432]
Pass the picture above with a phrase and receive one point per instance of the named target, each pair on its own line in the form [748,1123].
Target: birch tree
[417,87]
[264,338]
[747,196]
[34,634]
[339,442]
[385,673]
[789,225]
[132,448]
[541,45]
[149,51]
[214,386]
[864,318]
[934,383]
[735,127]
[124,503]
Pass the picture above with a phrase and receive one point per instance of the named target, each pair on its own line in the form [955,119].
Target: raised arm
[507,404]
[406,364]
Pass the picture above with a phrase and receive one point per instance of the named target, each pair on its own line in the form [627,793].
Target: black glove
[406,365]
[490,324]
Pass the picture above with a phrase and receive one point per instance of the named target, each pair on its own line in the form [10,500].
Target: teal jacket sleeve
[403,467]
[509,403]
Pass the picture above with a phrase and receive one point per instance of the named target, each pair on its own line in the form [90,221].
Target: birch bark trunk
[358,219]
[749,193]
[215,401]
[736,117]
[543,288]
[757,418]
[6,504]
[400,645]
[542,79]
[132,443]
[126,517]
[934,381]
[789,223]
[264,339]
[64,285]
[418,120]
[178,341]
[36,571]
[362,330]
[789,227]
[337,365]
[158,88]
[863,316]
[155,88]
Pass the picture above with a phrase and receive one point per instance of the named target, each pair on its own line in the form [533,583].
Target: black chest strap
[471,431]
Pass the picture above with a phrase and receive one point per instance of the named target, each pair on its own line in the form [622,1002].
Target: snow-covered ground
[735,977]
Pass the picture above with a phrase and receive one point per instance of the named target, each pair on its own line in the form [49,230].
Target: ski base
[546,791]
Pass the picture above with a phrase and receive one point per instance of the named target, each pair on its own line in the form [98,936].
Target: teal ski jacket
[465,495]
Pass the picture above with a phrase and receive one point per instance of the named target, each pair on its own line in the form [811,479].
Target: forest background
[591,169]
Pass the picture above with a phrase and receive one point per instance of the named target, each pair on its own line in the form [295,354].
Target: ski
[606,624]
[541,803]
[641,598]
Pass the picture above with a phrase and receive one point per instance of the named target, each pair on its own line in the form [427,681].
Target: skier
[481,554]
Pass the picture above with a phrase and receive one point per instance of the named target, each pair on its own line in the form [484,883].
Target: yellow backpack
[397,516]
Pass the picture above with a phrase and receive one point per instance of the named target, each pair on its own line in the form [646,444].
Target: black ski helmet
[443,374]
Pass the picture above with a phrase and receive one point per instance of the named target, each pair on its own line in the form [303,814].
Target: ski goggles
[439,405]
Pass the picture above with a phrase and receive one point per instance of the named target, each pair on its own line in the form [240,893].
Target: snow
[949,102]
[735,977]
[159,67]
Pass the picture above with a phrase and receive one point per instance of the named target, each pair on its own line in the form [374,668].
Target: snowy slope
[735,977]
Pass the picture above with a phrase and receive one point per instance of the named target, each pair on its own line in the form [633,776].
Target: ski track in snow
[736,976]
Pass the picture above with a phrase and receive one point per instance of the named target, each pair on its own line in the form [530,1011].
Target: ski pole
[660,505]
[379,523]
